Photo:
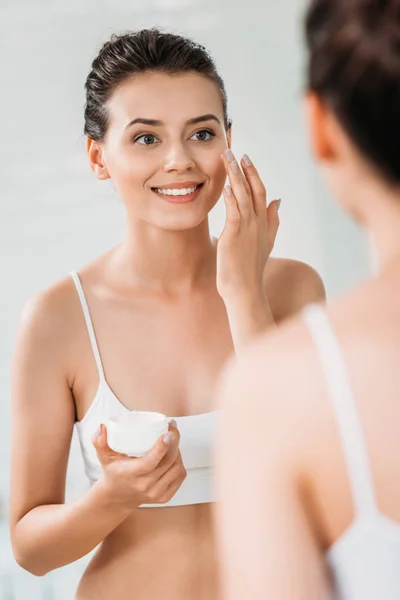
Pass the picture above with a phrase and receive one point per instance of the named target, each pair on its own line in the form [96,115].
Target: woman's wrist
[106,498]
[249,315]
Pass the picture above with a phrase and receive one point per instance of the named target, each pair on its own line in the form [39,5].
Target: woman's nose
[178,159]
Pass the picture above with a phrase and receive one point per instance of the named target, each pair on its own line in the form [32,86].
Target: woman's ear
[96,159]
[320,128]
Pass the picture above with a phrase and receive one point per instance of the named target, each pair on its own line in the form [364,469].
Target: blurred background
[55,215]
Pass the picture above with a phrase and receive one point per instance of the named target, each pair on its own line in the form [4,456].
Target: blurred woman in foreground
[309,450]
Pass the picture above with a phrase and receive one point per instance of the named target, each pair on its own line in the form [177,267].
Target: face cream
[136,432]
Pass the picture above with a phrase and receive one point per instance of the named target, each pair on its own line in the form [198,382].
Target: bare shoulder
[47,321]
[278,375]
[57,308]
[51,307]
[291,285]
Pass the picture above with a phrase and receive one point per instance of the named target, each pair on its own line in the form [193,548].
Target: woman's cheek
[136,168]
[220,174]
[215,166]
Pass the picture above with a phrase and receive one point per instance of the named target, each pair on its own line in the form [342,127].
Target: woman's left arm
[243,251]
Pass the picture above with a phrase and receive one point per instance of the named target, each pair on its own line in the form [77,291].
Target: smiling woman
[187,138]
[146,326]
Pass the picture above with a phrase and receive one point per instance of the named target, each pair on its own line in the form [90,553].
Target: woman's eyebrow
[208,117]
[156,123]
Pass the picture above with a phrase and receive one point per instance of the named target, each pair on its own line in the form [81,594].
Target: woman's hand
[151,479]
[249,234]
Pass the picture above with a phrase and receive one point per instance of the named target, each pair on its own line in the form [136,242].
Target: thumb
[154,456]
[99,439]
[105,454]
[273,221]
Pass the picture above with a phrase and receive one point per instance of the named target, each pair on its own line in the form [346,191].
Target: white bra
[365,560]
[196,431]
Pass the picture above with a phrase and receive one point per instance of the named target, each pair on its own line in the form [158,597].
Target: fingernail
[97,433]
[247,160]
[167,437]
[278,204]
[228,190]
[174,423]
[229,155]
[235,167]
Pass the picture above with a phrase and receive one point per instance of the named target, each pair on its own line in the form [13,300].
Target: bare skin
[182,532]
[295,489]
[156,309]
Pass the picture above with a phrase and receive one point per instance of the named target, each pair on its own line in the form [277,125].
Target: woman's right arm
[46,533]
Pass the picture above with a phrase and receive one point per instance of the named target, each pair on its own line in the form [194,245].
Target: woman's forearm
[51,536]
[248,316]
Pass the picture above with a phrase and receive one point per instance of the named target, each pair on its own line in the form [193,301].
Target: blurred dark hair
[354,65]
[138,52]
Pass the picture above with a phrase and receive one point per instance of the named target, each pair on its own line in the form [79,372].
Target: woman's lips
[179,199]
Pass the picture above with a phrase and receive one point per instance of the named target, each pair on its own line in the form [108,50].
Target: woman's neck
[382,220]
[170,262]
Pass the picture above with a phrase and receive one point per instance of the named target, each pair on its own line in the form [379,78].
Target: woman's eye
[148,139]
[204,135]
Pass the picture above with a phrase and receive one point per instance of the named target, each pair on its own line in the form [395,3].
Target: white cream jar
[136,432]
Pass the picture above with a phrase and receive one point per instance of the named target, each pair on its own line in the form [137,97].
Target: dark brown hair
[140,52]
[354,65]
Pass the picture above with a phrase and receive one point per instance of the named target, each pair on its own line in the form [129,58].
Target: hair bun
[354,65]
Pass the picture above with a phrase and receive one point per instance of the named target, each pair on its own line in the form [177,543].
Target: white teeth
[177,192]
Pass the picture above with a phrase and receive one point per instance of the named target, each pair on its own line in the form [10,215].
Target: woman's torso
[167,552]
[159,354]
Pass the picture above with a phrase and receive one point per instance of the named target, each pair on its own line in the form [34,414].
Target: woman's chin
[180,223]
[180,218]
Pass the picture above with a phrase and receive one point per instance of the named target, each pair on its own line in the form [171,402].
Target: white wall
[55,216]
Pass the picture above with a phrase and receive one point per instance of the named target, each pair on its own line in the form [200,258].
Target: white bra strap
[344,406]
[89,323]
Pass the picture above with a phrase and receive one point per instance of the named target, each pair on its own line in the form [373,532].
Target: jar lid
[138,419]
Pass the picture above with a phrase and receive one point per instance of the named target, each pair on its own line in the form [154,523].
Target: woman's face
[165,131]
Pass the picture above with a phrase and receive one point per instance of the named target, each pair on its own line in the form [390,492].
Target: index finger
[240,187]
[173,451]
[154,456]
[257,187]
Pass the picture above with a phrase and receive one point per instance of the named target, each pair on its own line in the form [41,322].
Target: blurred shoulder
[278,375]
